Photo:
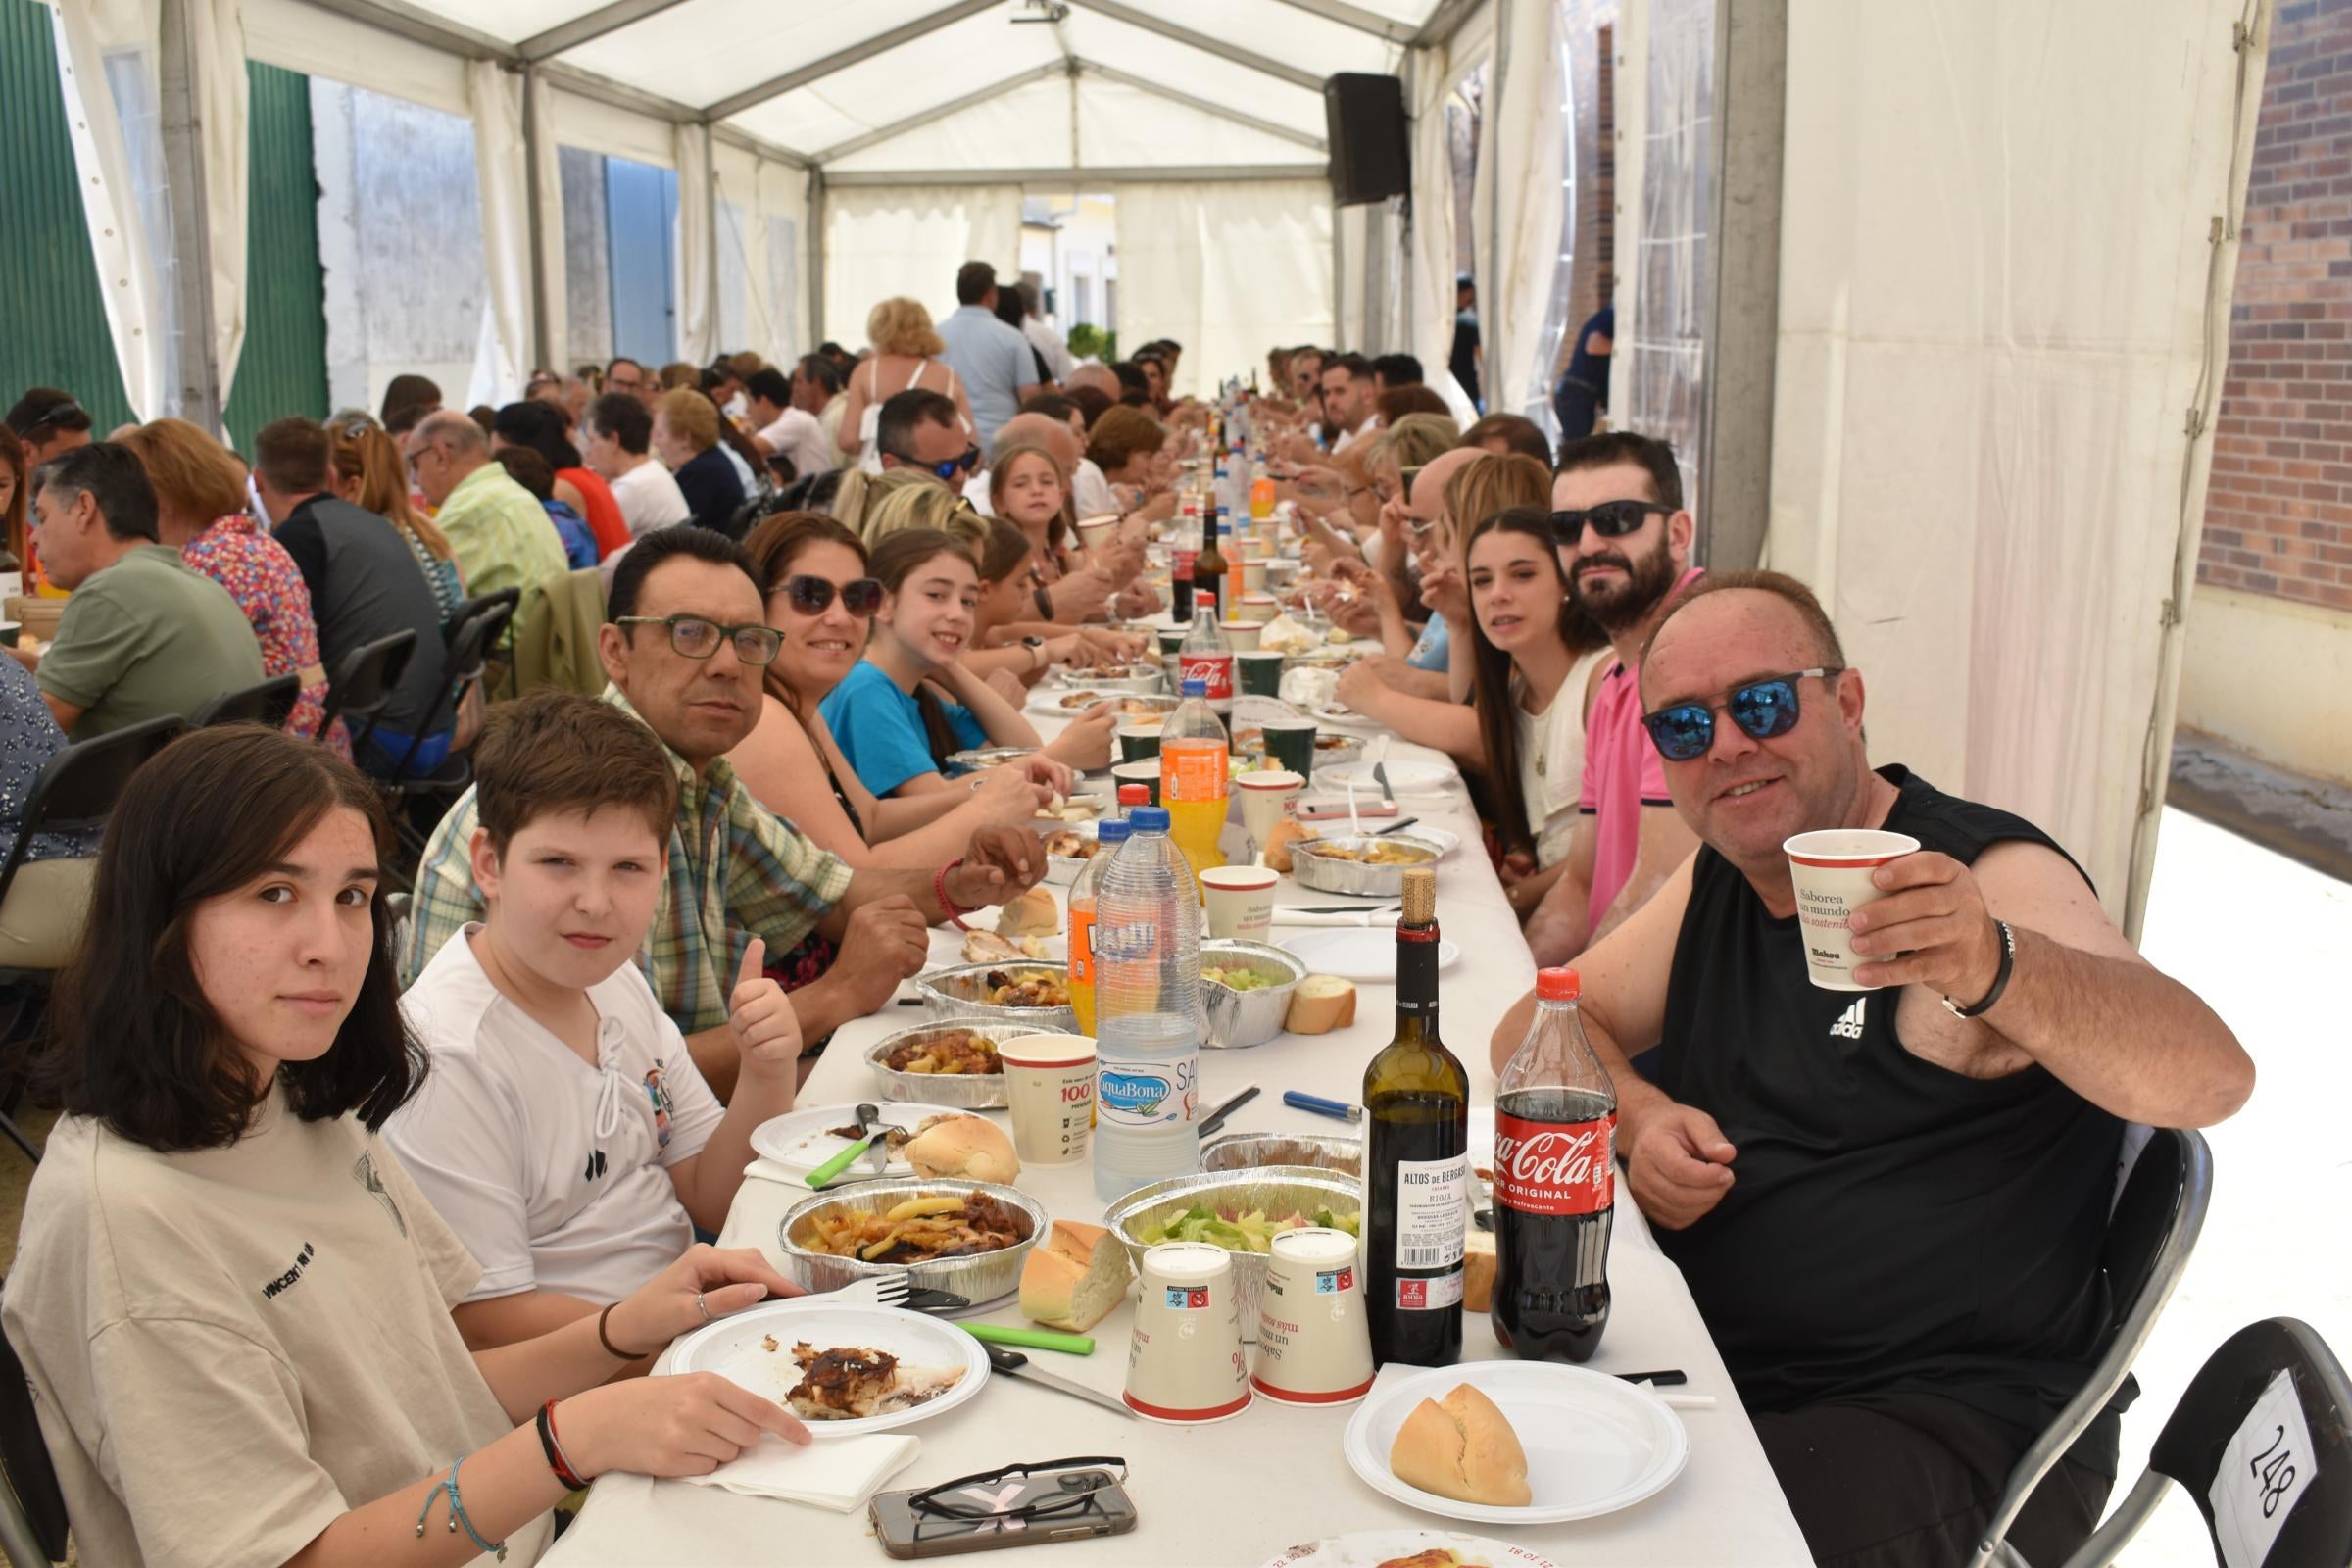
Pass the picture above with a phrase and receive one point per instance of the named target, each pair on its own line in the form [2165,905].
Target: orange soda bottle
[1194,774]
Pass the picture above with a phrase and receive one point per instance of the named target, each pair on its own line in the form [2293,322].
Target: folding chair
[2150,1233]
[501,652]
[2314,1486]
[268,705]
[363,687]
[73,792]
[469,645]
[33,1510]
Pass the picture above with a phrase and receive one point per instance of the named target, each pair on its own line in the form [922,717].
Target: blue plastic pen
[1321,1107]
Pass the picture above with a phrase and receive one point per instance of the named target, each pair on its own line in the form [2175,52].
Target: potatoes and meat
[918,1230]
[949,1050]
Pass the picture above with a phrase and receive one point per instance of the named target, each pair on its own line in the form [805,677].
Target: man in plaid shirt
[684,647]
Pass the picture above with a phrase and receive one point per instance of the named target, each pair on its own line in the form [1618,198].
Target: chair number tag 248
[2263,1473]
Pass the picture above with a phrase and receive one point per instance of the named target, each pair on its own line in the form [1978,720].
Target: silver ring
[702,1307]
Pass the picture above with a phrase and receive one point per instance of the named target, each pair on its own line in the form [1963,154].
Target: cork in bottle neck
[1420,895]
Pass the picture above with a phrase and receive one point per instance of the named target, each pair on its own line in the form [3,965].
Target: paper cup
[1259,672]
[1146,773]
[1171,640]
[1254,574]
[1184,1359]
[1832,869]
[1049,1087]
[1267,797]
[1291,745]
[1314,1343]
[1240,901]
[1096,532]
[1138,742]
[1244,634]
[1254,607]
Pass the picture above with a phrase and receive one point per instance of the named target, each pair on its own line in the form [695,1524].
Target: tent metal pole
[814,243]
[543,329]
[1079,179]
[1406,237]
[938,111]
[840,59]
[610,17]
[1744,282]
[1499,399]
[1207,105]
[196,396]
[1177,32]
[1356,17]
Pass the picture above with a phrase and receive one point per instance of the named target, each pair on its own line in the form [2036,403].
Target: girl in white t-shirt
[564,1132]
[231,1300]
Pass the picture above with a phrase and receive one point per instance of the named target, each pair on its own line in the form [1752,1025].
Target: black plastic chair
[2150,1233]
[268,705]
[364,686]
[33,1510]
[2190,1450]
[73,793]
[501,652]
[469,645]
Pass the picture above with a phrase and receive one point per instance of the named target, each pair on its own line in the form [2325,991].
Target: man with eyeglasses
[924,430]
[1624,543]
[498,531]
[1888,1204]
[625,375]
[685,648]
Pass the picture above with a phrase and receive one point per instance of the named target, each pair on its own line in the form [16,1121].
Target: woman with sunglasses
[812,573]
[912,702]
[231,1300]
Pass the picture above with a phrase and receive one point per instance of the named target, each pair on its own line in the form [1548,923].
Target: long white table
[1237,1493]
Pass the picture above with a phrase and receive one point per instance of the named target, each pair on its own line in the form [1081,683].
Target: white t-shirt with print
[555,1174]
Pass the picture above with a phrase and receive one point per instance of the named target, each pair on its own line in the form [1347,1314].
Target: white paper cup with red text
[1096,532]
[1050,1089]
[1831,869]
[1240,902]
[1184,1359]
[1314,1342]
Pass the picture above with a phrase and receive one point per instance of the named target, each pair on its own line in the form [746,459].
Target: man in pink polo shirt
[1624,543]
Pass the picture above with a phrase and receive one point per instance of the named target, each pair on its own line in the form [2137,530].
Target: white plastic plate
[736,1349]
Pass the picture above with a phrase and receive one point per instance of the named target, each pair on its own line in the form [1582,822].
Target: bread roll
[1321,1004]
[1074,1276]
[1033,913]
[1477,1270]
[1278,839]
[964,1147]
[1462,1448]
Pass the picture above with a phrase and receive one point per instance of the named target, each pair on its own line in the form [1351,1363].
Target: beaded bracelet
[457,1513]
[553,1447]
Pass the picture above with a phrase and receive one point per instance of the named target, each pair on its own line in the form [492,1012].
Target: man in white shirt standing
[995,361]
[780,425]
[619,451]
[1059,360]
[563,1132]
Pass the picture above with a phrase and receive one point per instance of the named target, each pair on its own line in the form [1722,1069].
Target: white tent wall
[886,241]
[1665,94]
[1999,304]
[1225,269]
[509,335]
[1519,207]
[1431,271]
[696,248]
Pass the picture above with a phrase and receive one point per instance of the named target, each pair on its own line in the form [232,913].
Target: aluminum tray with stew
[1363,863]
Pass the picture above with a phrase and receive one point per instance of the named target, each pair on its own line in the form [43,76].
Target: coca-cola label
[1180,566]
[1554,1167]
[1214,668]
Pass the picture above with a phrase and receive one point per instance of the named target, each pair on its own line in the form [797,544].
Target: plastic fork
[880,1290]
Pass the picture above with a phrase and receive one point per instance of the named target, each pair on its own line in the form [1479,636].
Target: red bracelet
[554,1448]
[939,885]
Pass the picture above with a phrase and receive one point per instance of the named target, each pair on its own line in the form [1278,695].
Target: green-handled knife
[1031,1338]
[866,1119]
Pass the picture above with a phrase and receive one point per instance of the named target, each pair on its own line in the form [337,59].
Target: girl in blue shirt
[910,703]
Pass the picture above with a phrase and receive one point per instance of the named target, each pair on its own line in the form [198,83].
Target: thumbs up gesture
[759,1016]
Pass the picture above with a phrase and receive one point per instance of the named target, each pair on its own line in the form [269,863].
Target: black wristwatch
[1045,605]
[1037,646]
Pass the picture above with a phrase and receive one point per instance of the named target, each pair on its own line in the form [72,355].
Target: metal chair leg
[15,1136]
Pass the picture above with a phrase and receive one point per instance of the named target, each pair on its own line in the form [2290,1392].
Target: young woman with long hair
[366,469]
[232,1303]
[812,573]
[912,701]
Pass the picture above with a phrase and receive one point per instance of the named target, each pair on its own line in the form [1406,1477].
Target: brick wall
[2278,510]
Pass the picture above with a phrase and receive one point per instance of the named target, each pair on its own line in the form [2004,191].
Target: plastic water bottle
[1147,944]
[1112,832]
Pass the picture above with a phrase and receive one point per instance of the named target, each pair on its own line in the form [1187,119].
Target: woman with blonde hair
[365,468]
[906,351]
[200,510]
[927,505]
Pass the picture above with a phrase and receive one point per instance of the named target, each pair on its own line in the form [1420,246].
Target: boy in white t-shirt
[562,1130]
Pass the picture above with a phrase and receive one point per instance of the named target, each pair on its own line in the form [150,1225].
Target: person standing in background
[1059,362]
[995,363]
[1466,358]
[1582,395]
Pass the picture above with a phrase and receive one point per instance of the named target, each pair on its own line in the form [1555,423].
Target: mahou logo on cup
[1545,1167]
[1214,668]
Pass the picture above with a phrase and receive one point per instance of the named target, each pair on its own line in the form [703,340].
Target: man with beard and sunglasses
[1889,1204]
[1624,543]
[924,430]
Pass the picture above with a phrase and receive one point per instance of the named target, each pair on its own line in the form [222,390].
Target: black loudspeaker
[1363,119]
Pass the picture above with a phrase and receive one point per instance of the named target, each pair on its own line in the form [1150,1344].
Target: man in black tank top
[1888,1204]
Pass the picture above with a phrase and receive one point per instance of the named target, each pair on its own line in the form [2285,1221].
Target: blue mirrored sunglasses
[1762,709]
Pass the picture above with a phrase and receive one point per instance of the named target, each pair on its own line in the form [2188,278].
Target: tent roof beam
[1075,179]
[1176,31]
[1307,140]
[843,59]
[1356,17]
[607,17]
[937,111]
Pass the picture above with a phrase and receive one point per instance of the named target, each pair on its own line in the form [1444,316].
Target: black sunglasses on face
[1611,520]
[1762,709]
[695,637]
[968,463]
[810,596]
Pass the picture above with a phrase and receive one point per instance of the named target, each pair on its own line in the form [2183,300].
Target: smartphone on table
[1020,1505]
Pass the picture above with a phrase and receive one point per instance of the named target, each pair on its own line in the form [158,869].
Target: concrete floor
[2257,936]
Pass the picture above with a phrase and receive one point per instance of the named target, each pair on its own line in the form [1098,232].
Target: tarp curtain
[885,241]
[555,290]
[1226,270]
[1978,458]
[1519,245]
[1665,160]
[109,56]
[696,271]
[501,358]
[1431,299]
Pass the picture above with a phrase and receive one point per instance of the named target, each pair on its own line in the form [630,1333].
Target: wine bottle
[1208,570]
[1416,1158]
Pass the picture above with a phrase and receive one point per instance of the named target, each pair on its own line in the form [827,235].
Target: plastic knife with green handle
[1033,1339]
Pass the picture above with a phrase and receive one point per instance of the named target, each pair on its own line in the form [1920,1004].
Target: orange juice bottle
[1261,493]
[1110,834]
[1193,775]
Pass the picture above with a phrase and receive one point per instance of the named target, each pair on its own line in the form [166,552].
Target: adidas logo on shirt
[1849,1022]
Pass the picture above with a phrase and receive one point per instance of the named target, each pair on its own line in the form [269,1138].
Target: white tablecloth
[1237,1491]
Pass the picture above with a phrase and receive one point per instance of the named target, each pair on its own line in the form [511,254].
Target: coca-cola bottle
[1208,656]
[1555,1130]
